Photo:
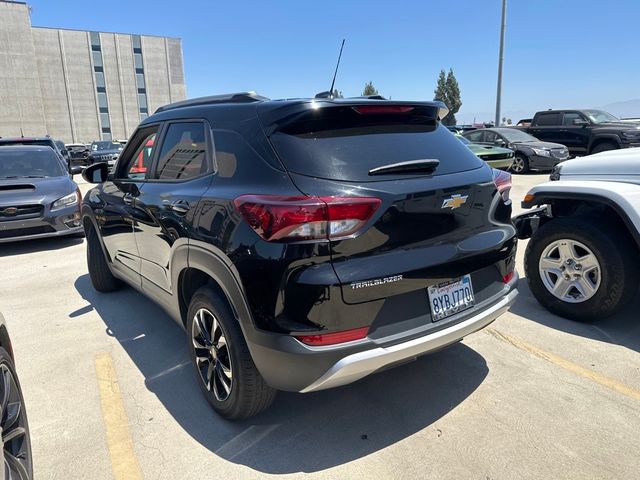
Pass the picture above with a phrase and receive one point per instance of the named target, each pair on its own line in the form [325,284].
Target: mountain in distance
[626,109]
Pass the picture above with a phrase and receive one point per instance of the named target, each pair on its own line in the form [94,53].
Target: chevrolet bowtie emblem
[454,201]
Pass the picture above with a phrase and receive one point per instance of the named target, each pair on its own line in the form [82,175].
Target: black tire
[15,427]
[249,394]
[520,164]
[604,146]
[101,277]
[615,253]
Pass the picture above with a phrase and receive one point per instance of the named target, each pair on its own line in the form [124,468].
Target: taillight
[502,180]
[508,277]
[334,338]
[382,109]
[280,218]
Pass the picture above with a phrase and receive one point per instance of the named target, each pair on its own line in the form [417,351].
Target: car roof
[250,100]
[27,148]
[24,139]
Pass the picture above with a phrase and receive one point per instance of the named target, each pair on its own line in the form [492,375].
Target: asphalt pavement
[110,393]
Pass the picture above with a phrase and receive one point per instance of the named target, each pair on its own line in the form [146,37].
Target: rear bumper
[359,365]
[287,364]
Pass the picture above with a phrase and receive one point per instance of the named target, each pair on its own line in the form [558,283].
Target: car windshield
[98,146]
[29,164]
[514,135]
[600,116]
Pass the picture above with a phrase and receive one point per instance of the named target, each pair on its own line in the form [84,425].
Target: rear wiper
[426,165]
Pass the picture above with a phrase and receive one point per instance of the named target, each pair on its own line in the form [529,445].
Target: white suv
[583,259]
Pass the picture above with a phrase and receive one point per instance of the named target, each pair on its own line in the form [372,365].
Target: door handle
[181,207]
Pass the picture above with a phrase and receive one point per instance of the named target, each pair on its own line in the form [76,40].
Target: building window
[95,39]
[137,60]
[142,100]
[101,85]
[143,106]
[100,80]
[102,100]
[97,59]
[140,80]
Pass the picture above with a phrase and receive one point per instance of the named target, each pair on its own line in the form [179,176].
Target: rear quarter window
[340,144]
[548,119]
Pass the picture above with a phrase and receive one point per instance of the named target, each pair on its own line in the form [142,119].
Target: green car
[496,157]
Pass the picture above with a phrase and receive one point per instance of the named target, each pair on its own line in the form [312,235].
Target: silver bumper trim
[359,365]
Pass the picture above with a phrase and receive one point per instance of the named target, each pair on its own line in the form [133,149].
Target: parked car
[63,151]
[14,426]
[496,157]
[283,236]
[530,153]
[43,141]
[525,122]
[105,151]
[78,153]
[583,259]
[459,129]
[584,131]
[38,198]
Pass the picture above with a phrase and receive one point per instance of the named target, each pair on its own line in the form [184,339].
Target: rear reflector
[334,338]
[280,218]
[382,109]
[508,277]
[502,180]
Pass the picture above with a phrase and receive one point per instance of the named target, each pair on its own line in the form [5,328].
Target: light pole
[500,60]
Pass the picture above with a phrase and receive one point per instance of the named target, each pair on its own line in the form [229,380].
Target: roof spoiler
[240,97]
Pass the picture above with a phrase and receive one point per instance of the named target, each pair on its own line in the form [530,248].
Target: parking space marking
[124,463]
[596,377]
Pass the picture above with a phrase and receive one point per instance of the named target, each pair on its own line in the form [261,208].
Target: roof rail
[240,97]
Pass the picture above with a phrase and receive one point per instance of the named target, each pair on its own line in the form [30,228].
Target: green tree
[448,91]
[369,89]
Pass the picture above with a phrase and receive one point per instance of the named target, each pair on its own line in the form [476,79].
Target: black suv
[303,244]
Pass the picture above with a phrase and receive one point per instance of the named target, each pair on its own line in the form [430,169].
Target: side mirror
[96,173]
[76,170]
[499,143]
[580,122]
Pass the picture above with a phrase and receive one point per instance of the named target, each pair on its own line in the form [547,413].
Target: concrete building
[79,86]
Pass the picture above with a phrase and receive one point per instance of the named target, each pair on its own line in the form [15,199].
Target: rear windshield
[339,143]
[29,164]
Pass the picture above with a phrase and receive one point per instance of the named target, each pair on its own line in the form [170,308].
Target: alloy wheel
[570,271]
[13,422]
[518,165]
[212,354]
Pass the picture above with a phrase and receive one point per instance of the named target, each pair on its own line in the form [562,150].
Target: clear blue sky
[559,53]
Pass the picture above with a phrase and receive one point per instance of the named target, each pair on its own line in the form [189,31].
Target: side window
[475,136]
[143,146]
[570,117]
[548,119]
[490,137]
[183,154]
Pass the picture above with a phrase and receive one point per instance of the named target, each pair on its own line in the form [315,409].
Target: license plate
[450,297]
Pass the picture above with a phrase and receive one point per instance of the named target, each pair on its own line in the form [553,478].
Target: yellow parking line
[596,377]
[124,463]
